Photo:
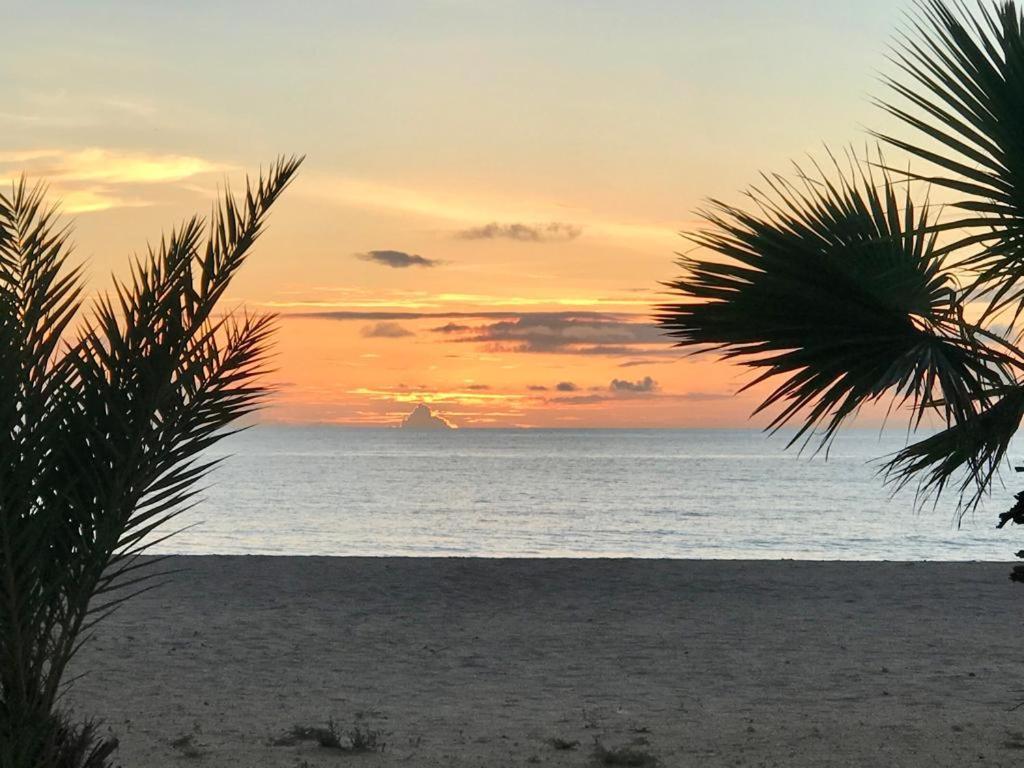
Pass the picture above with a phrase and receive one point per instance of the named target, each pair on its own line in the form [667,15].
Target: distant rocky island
[423,418]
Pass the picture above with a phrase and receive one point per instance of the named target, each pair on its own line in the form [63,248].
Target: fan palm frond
[836,287]
[843,292]
[974,449]
[965,100]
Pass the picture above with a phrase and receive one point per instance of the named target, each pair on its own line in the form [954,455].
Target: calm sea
[590,493]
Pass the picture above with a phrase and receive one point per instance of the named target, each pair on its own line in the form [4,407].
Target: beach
[480,662]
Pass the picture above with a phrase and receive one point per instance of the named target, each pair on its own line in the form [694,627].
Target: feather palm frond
[103,429]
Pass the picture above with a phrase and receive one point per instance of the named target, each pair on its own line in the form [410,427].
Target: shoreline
[486,661]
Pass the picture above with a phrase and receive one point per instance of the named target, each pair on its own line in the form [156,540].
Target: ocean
[735,494]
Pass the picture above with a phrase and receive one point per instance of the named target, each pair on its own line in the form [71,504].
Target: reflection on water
[590,493]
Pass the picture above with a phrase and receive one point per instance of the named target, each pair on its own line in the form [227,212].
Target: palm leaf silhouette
[965,100]
[844,292]
[836,288]
[103,425]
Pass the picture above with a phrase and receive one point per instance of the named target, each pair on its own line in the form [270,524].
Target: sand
[465,662]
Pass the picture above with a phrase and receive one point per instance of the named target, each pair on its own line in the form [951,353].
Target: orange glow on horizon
[490,236]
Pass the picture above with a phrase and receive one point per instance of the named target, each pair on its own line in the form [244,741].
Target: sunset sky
[492,192]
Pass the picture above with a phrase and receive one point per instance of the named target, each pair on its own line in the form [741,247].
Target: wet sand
[468,662]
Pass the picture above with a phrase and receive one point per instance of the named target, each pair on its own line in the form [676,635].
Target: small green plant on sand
[329,736]
[627,757]
[187,747]
[563,745]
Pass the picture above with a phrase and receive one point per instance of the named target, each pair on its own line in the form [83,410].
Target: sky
[493,190]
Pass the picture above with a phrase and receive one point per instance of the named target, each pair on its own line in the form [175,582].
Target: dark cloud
[617,390]
[566,386]
[558,332]
[537,388]
[386,330]
[452,328]
[552,232]
[646,384]
[478,387]
[397,259]
[570,333]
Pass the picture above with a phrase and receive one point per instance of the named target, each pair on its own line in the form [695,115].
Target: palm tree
[839,289]
[104,418]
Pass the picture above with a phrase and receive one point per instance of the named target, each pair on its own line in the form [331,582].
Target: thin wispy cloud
[90,200]
[465,395]
[644,389]
[552,232]
[343,315]
[580,399]
[99,179]
[41,121]
[80,109]
[140,108]
[652,361]
[103,166]
[615,350]
[353,300]
[397,259]
[472,207]
[705,396]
